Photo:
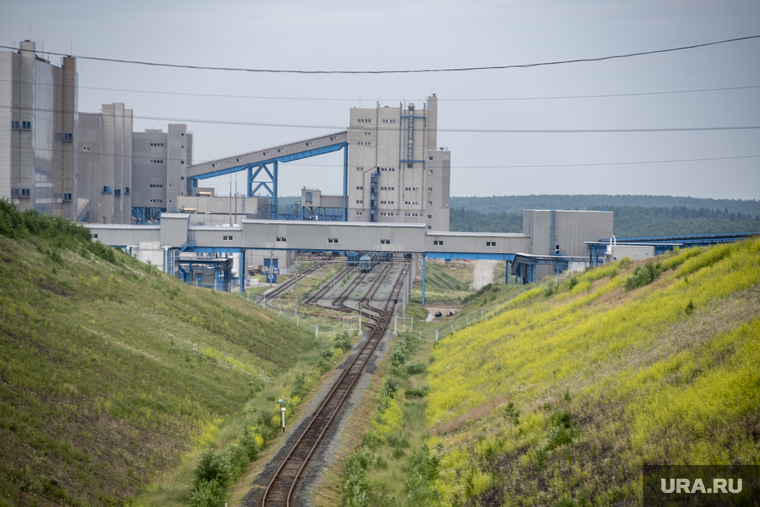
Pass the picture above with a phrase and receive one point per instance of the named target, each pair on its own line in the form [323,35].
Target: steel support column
[345,183]
[423,280]
[508,263]
[243,271]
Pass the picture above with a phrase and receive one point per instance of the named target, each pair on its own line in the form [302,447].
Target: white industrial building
[38,119]
[396,173]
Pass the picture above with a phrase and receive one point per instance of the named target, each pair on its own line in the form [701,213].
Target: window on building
[360,201]
[359,168]
[226,238]
[430,227]
[368,133]
[430,171]
[332,240]
[385,242]
[308,144]
[438,242]
[359,188]
[430,158]
[430,203]
[430,189]
[26,125]
[94,236]
[126,190]
[117,192]
[359,213]
[430,216]
[106,189]
[66,197]
[490,243]
[281,239]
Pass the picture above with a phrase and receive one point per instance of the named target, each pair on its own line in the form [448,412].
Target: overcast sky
[396,35]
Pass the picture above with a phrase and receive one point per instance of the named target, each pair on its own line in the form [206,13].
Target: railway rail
[286,286]
[280,489]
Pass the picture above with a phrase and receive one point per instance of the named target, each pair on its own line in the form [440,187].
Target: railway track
[286,286]
[280,489]
[312,300]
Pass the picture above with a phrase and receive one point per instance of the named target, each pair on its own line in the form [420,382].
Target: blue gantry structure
[263,168]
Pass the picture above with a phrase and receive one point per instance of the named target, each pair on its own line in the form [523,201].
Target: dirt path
[483,274]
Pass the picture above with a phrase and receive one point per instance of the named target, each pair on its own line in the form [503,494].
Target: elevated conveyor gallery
[263,166]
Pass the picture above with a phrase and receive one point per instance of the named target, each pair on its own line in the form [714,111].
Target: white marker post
[283,419]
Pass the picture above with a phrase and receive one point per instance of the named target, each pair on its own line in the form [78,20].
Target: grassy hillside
[564,391]
[111,370]
[445,282]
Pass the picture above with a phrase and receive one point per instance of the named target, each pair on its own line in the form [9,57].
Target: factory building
[38,117]
[159,170]
[395,171]
[104,144]
[87,167]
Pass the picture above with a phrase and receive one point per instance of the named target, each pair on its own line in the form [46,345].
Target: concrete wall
[7,61]
[572,229]
[635,253]
[317,236]
[122,234]
[437,190]
[174,229]
[476,242]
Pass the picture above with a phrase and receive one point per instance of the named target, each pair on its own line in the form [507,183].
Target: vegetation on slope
[568,390]
[597,383]
[445,282]
[111,370]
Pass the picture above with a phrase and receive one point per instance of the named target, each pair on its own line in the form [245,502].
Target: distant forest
[635,215]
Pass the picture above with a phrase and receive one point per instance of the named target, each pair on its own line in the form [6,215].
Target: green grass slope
[111,370]
[562,398]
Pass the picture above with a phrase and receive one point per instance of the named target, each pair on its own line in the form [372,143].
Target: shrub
[643,275]
[342,341]
[572,282]
[417,393]
[415,367]
[299,386]
[512,413]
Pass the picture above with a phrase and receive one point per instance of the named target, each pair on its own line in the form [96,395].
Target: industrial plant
[140,191]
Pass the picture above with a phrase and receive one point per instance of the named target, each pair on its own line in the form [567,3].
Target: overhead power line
[485,99]
[454,130]
[411,71]
[593,164]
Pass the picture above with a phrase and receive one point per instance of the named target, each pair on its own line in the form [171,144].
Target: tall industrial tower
[396,173]
[38,128]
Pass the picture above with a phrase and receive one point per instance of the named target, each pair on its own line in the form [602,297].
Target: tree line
[630,221]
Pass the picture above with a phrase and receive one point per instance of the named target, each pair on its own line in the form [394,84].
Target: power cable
[452,130]
[465,99]
[414,71]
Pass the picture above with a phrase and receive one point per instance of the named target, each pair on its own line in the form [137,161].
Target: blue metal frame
[273,175]
[143,215]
